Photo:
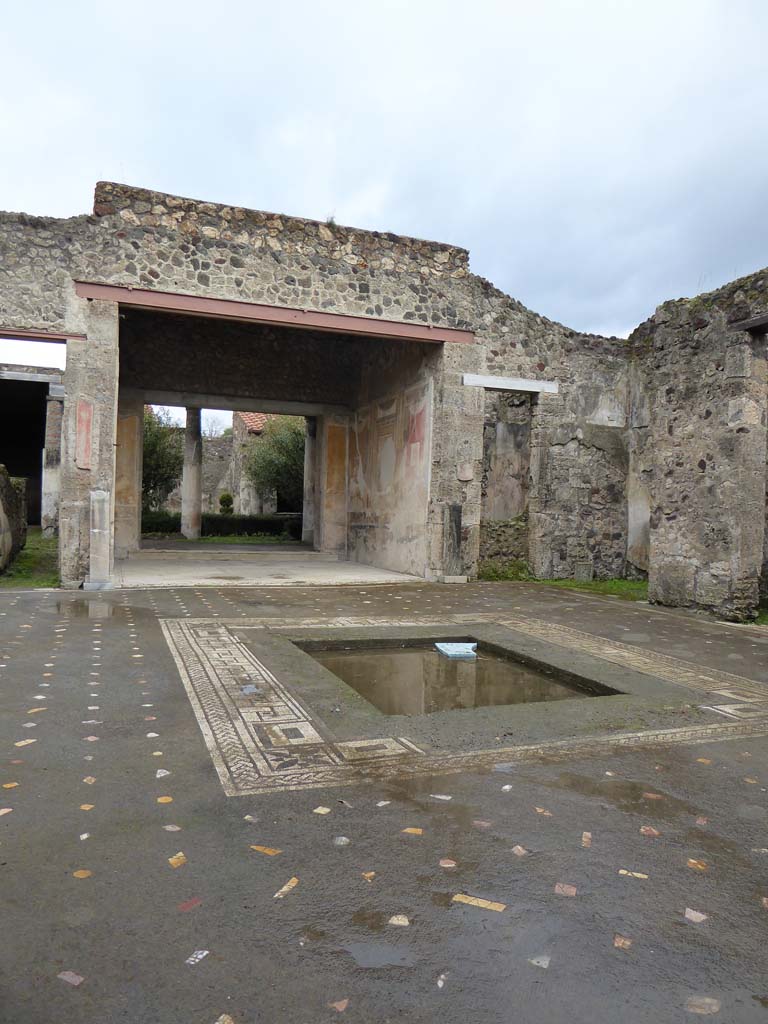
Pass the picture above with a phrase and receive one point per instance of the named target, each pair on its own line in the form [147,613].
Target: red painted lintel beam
[232,309]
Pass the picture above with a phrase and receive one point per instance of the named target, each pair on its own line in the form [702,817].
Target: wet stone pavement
[630,884]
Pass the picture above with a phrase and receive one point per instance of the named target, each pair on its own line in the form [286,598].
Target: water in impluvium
[420,680]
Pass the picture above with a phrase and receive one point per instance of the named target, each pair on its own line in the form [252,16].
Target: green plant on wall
[226,503]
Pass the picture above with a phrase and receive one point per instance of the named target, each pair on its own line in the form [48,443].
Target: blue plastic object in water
[467,651]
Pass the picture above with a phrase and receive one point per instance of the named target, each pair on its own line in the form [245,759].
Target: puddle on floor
[420,680]
[631,797]
[379,954]
[93,608]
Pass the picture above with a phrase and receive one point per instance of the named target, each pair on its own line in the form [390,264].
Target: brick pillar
[192,478]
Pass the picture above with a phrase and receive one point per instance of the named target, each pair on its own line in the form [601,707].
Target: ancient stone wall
[217,470]
[698,448]
[13,518]
[389,460]
[505,540]
[506,455]
[597,456]
[151,240]
[246,500]
[506,477]
[578,440]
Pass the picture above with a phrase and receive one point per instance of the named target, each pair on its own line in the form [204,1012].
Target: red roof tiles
[255,421]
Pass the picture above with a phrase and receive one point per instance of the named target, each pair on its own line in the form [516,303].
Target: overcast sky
[596,157]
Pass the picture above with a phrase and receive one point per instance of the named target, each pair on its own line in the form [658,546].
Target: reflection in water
[94,608]
[418,681]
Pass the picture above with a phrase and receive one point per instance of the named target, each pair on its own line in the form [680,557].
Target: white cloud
[597,158]
[33,353]
[211,419]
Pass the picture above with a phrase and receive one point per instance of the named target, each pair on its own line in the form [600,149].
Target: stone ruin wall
[13,518]
[577,445]
[582,441]
[390,456]
[651,460]
[698,449]
[150,240]
[504,535]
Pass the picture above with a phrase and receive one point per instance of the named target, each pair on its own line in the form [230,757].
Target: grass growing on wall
[762,615]
[517,570]
[36,565]
[630,590]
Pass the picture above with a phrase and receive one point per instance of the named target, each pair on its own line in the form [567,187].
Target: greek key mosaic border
[262,738]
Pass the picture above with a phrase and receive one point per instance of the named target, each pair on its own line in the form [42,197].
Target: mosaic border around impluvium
[248,765]
[660,666]
[255,741]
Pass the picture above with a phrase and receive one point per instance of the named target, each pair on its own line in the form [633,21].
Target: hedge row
[214,525]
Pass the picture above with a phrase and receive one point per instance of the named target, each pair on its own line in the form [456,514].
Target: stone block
[583,570]
[712,590]
[738,361]
[671,582]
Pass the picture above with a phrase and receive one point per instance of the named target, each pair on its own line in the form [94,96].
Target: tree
[275,461]
[163,458]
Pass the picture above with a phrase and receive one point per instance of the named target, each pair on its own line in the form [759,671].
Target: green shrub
[216,525]
[293,528]
[160,522]
[226,504]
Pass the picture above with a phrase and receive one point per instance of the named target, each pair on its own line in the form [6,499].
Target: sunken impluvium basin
[418,680]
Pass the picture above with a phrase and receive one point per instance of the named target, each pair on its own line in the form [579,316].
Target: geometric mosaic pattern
[262,738]
[256,730]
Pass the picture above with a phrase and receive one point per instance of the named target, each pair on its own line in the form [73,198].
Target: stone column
[51,480]
[332,502]
[128,465]
[192,479]
[308,505]
[88,444]
[100,562]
